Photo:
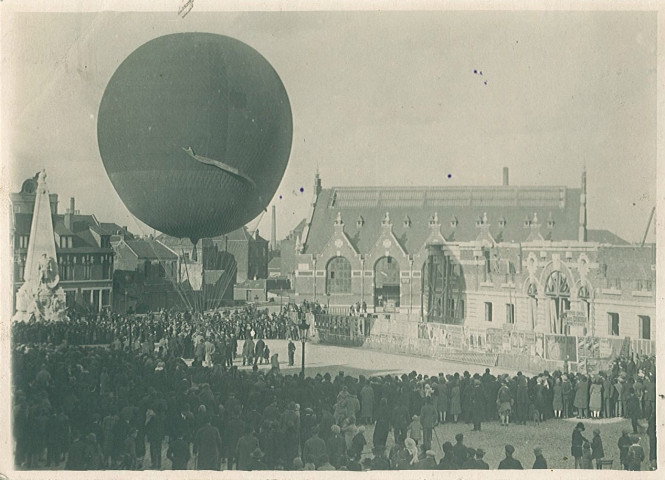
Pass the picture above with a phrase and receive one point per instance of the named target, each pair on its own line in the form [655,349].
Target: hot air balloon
[195,130]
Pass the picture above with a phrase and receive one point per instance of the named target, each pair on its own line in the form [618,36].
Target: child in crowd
[415,430]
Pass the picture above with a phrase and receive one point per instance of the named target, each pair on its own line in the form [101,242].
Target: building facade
[145,276]
[83,248]
[505,258]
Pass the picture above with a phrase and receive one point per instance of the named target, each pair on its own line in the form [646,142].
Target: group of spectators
[121,407]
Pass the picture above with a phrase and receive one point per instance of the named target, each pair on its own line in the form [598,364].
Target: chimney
[505,177]
[582,230]
[317,183]
[273,233]
[69,214]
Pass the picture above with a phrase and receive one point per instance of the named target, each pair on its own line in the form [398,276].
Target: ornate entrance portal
[558,292]
[442,288]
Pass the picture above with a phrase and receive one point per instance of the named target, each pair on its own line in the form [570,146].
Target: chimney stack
[273,233]
[505,177]
[70,213]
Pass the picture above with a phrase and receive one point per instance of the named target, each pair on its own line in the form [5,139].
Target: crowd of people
[123,406]
[177,330]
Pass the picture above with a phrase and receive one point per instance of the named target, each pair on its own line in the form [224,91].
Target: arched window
[338,276]
[557,285]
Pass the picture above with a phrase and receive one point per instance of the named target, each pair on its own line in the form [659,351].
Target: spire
[534,226]
[582,232]
[435,235]
[484,235]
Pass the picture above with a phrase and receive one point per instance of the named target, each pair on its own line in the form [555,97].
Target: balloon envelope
[209,93]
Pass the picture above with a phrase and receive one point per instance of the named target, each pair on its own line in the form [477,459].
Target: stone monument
[40,297]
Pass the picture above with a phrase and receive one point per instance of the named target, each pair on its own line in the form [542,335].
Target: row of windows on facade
[612,317]
[387,272]
[66,241]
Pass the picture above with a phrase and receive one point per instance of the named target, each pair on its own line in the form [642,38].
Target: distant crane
[646,232]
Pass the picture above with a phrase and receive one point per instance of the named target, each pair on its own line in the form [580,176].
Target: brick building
[476,259]
[145,276]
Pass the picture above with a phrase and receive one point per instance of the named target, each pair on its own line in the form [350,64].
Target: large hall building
[475,260]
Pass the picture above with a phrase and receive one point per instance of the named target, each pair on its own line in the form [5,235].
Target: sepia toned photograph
[329,240]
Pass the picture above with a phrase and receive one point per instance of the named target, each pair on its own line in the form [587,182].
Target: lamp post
[303,328]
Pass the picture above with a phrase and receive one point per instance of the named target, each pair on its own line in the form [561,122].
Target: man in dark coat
[478,401]
[428,419]
[400,422]
[314,448]
[208,447]
[259,351]
[540,462]
[460,450]
[633,408]
[154,429]
[509,463]
[448,460]
[292,352]
[336,448]
[246,445]
[623,444]
[178,453]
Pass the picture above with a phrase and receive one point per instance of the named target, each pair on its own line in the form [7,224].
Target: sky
[378,98]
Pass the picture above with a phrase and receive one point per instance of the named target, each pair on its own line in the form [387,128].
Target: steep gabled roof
[410,208]
[150,249]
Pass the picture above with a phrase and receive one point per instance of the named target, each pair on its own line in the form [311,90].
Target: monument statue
[40,297]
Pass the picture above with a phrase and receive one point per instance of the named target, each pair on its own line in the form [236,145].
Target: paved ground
[362,361]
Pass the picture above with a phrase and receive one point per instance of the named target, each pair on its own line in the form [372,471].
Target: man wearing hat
[510,463]
[482,464]
[540,462]
[576,445]
[477,404]
[623,444]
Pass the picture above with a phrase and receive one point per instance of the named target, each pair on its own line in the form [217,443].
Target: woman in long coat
[367,404]
[442,397]
[455,404]
[382,427]
[557,399]
[581,402]
[595,398]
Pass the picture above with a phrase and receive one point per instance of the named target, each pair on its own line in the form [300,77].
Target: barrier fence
[504,347]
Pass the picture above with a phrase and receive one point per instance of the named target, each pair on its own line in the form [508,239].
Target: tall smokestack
[72,204]
[273,233]
[505,177]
